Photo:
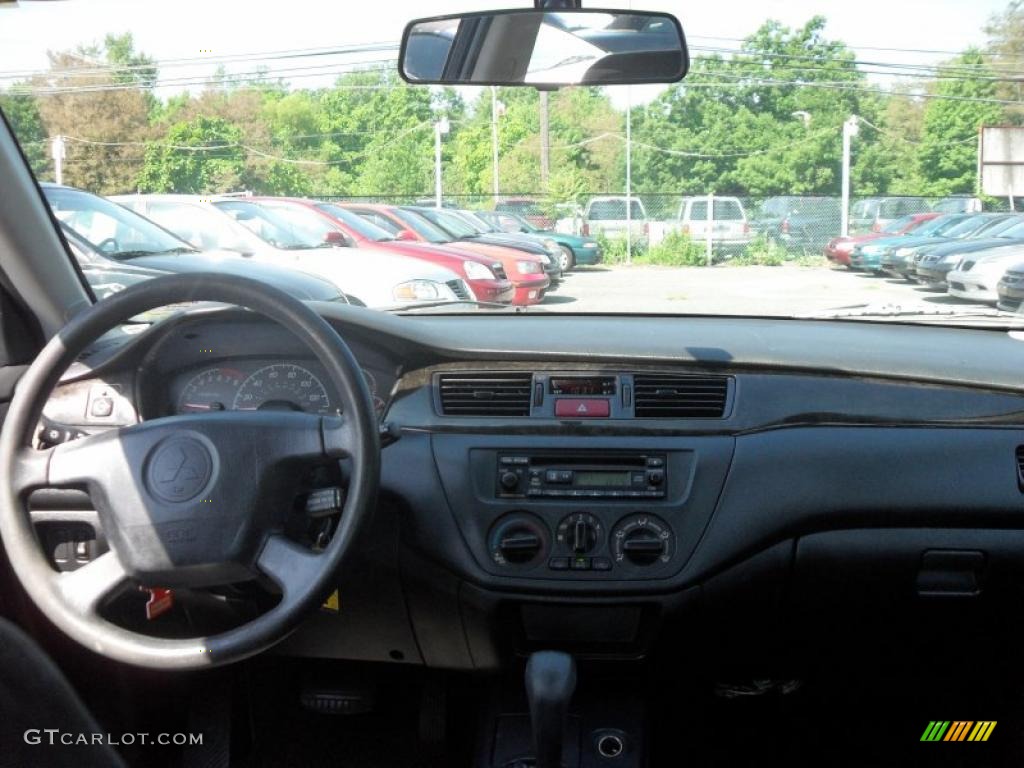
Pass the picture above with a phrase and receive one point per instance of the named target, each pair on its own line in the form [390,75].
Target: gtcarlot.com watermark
[53,737]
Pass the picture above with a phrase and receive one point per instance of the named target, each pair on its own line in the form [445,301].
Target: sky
[206,29]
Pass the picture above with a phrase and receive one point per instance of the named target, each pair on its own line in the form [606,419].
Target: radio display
[577,386]
[618,479]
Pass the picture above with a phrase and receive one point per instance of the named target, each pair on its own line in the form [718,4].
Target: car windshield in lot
[108,228]
[278,228]
[804,151]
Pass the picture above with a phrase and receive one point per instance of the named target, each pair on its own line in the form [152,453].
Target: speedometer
[282,386]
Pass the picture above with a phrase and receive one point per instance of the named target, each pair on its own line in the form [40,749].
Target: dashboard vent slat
[680,396]
[485,394]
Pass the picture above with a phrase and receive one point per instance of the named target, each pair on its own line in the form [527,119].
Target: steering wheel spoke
[86,587]
[290,566]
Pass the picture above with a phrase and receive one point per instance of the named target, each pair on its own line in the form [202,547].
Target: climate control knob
[642,540]
[517,539]
[579,533]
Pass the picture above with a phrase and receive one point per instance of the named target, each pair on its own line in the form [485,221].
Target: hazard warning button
[582,408]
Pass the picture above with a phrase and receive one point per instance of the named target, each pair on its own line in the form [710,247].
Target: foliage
[763,252]
[738,125]
[108,122]
[675,250]
[948,154]
[22,112]
[217,164]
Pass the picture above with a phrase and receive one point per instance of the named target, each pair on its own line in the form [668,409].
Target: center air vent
[676,396]
[485,394]
[1020,467]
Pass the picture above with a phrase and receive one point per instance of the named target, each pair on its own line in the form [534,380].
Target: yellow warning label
[332,603]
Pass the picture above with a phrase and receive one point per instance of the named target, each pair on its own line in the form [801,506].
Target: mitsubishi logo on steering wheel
[179,469]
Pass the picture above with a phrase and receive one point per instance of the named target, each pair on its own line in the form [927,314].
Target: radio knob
[509,480]
[656,477]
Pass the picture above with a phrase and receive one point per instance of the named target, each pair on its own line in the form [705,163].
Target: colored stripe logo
[958,730]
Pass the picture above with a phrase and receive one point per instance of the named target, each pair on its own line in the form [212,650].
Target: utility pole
[58,154]
[544,140]
[849,131]
[497,108]
[440,127]
[629,177]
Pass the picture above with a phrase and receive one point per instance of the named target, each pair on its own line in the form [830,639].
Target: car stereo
[602,476]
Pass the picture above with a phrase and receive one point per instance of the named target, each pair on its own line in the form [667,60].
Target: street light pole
[849,131]
[440,127]
[57,153]
[494,140]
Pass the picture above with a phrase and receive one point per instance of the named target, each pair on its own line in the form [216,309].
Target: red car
[524,270]
[485,276]
[839,249]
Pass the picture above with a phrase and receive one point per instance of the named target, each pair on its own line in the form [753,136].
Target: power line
[292,53]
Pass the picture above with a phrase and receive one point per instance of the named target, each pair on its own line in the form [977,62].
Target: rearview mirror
[546,49]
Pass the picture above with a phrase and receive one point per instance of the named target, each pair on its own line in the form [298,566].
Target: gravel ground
[725,289]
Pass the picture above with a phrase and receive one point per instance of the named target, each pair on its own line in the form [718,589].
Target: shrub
[763,252]
[676,250]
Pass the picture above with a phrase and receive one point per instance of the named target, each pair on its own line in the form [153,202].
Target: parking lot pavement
[785,290]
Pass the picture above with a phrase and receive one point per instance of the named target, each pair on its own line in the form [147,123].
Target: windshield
[802,133]
[274,227]
[107,227]
[448,222]
[367,229]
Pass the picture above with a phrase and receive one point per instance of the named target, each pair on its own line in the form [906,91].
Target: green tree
[22,112]
[216,164]
[749,124]
[1006,41]
[948,154]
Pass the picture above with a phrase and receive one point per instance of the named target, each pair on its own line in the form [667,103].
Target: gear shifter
[550,682]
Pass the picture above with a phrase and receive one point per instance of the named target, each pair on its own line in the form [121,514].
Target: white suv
[730,230]
[607,216]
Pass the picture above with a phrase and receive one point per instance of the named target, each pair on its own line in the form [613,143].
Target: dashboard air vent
[1020,467]
[679,396]
[485,394]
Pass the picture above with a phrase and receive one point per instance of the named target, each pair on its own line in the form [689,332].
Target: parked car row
[978,257]
[799,223]
[372,255]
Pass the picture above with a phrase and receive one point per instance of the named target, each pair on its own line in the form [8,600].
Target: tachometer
[282,386]
[211,390]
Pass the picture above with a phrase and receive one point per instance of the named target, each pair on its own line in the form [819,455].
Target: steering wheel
[196,500]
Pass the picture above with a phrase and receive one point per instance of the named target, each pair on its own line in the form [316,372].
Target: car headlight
[477,271]
[421,290]
[550,246]
[529,267]
[545,259]
[904,252]
[589,244]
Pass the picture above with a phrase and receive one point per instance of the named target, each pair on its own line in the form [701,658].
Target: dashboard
[579,482]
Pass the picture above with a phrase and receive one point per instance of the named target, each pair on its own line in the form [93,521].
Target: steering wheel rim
[303,576]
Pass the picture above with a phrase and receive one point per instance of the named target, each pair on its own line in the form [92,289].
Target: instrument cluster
[262,384]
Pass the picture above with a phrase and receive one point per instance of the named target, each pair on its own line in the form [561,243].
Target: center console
[592,509]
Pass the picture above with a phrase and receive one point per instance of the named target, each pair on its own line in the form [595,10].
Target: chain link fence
[675,229]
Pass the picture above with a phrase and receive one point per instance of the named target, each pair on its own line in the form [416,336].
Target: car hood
[451,257]
[366,265]
[527,245]
[972,246]
[298,284]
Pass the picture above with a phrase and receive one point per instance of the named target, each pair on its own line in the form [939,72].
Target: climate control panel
[582,542]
